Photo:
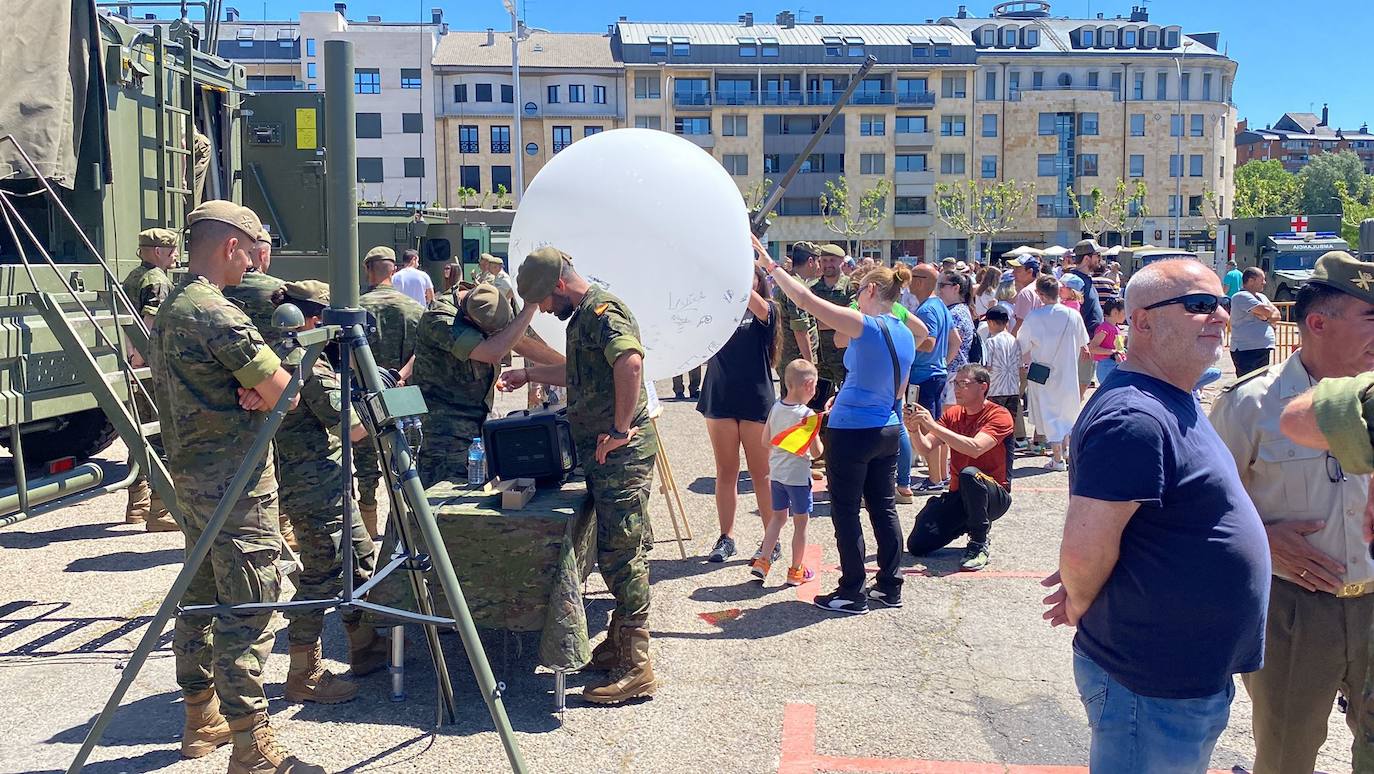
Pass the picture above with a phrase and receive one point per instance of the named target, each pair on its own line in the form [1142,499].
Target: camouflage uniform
[147,286]
[310,456]
[599,332]
[458,391]
[398,319]
[793,318]
[202,349]
[830,358]
[254,295]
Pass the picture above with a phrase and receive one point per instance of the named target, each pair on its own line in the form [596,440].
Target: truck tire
[85,434]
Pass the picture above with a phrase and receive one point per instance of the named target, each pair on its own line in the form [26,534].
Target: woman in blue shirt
[863,428]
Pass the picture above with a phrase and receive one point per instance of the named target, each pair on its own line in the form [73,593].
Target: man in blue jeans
[1164,565]
[928,376]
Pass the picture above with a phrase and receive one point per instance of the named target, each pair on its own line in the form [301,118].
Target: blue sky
[1291,56]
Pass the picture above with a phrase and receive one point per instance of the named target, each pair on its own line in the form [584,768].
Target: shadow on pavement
[153,760]
[127,561]
[771,620]
[76,532]
[152,720]
[707,485]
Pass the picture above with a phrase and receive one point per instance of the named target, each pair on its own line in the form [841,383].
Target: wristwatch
[617,435]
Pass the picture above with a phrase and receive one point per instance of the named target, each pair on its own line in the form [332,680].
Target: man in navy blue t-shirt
[1164,564]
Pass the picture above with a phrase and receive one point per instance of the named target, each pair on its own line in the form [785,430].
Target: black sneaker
[835,603]
[722,550]
[884,598]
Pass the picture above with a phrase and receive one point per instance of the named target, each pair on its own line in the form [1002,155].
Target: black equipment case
[530,444]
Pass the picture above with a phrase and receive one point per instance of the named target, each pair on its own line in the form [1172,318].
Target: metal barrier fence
[1286,338]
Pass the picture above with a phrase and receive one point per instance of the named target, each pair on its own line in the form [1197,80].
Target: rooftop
[551,50]
[726,34]
[1060,35]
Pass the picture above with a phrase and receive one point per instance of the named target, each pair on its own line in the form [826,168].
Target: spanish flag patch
[600,310]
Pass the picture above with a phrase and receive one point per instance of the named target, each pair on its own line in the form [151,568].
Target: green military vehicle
[1286,248]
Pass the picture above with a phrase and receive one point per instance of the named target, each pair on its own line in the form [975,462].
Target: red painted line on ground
[923,572]
[1019,489]
[811,558]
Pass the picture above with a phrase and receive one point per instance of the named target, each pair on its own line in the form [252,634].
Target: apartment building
[753,94]
[570,87]
[1073,104]
[1296,137]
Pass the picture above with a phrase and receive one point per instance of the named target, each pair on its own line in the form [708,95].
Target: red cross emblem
[1298,223]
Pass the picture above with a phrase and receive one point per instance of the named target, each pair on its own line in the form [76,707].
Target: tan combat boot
[308,680]
[367,651]
[140,501]
[159,518]
[368,515]
[206,730]
[606,655]
[257,751]
[288,534]
[635,676]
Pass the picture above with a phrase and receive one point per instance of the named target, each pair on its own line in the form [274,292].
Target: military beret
[236,215]
[157,237]
[308,290]
[806,247]
[485,307]
[1346,273]
[539,273]
[834,250]
[1086,247]
[379,253]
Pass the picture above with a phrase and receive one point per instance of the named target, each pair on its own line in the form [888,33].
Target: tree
[1265,188]
[1119,211]
[981,208]
[854,215]
[756,194]
[1356,208]
[1319,179]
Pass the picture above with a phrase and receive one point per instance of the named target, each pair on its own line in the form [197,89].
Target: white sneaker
[1052,465]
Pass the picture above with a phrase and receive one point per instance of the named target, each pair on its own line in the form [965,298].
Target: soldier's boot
[140,501]
[206,729]
[368,514]
[308,680]
[288,534]
[606,655]
[635,677]
[159,520]
[257,751]
[367,650]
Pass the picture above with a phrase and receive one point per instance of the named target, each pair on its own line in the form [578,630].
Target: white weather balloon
[656,221]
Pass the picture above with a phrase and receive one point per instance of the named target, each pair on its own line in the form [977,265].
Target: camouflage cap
[308,290]
[236,215]
[264,235]
[157,237]
[1346,273]
[485,307]
[832,249]
[379,253]
[1086,247]
[539,273]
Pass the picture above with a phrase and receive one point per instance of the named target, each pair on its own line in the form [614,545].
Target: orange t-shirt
[993,420]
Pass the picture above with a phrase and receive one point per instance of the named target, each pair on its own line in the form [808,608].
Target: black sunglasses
[1197,303]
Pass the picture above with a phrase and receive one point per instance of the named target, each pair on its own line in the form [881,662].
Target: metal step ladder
[176,128]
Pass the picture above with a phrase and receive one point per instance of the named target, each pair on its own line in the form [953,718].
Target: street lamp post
[517,140]
[1178,185]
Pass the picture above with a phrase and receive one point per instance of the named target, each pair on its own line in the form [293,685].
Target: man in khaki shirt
[1320,606]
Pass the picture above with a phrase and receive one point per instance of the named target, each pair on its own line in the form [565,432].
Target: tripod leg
[398,660]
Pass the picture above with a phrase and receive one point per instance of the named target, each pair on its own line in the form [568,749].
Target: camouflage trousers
[229,651]
[444,453]
[830,359]
[619,491]
[318,519]
[367,471]
[144,501]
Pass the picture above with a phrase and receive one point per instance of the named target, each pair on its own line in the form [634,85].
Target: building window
[369,169]
[1175,165]
[460,92]
[872,125]
[312,86]
[909,162]
[769,46]
[1128,38]
[1031,37]
[588,131]
[367,81]
[989,167]
[1137,165]
[951,163]
[682,47]
[989,124]
[658,46]
[1045,206]
[736,164]
[500,178]
[1151,38]
[412,123]
[562,137]
[1194,205]
[467,139]
[1137,124]
[1195,165]
[410,79]
[1175,125]
[1138,87]
[1093,81]
[1014,85]
[1196,125]
[954,86]
[1037,80]
[942,51]
[470,177]
[951,126]
[1047,123]
[1087,165]
[414,167]
[598,95]
[310,70]
[1088,37]
[920,51]
[1207,87]
[500,139]
[799,205]
[734,126]
[854,46]
[911,124]
[872,164]
[481,92]
[647,87]
[1161,86]
[909,205]
[990,85]
[1045,165]
[748,47]
[954,248]
[577,93]
[1087,124]
[832,45]
[648,122]
[987,38]
[1184,86]
[367,126]
[552,95]
[692,125]
[309,46]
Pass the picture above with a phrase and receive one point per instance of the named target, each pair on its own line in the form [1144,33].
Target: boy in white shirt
[1002,356]
[789,461]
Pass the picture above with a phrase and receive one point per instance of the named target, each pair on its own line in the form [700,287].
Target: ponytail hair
[889,281]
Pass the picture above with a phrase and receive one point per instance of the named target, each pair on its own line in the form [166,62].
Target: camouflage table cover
[521,570]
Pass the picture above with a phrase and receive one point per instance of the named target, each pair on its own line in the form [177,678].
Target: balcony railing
[694,99]
[858,98]
[917,98]
[469,146]
[559,145]
[785,98]
[500,147]
[736,98]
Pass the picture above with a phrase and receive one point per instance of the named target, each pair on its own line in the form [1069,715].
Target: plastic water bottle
[477,464]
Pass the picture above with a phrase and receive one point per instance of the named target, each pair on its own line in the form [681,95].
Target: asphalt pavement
[966,677]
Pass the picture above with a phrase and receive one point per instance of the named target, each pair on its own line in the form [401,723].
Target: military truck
[1286,248]
[104,131]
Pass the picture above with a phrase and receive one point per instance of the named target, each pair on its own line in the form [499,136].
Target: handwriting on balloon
[705,320]
[595,280]
[685,303]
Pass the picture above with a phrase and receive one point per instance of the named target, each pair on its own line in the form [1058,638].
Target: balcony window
[911,124]
[909,205]
[735,91]
[500,139]
[692,91]
[410,79]
[562,137]
[909,162]
[1037,80]
[1161,86]
[1184,85]
[467,139]
[1207,87]
[1138,87]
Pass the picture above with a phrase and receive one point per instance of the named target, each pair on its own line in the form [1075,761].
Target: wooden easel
[667,484]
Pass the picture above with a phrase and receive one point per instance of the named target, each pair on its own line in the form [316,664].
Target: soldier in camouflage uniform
[146,287]
[799,330]
[462,339]
[617,447]
[310,459]
[397,318]
[215,378]
[835,287]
